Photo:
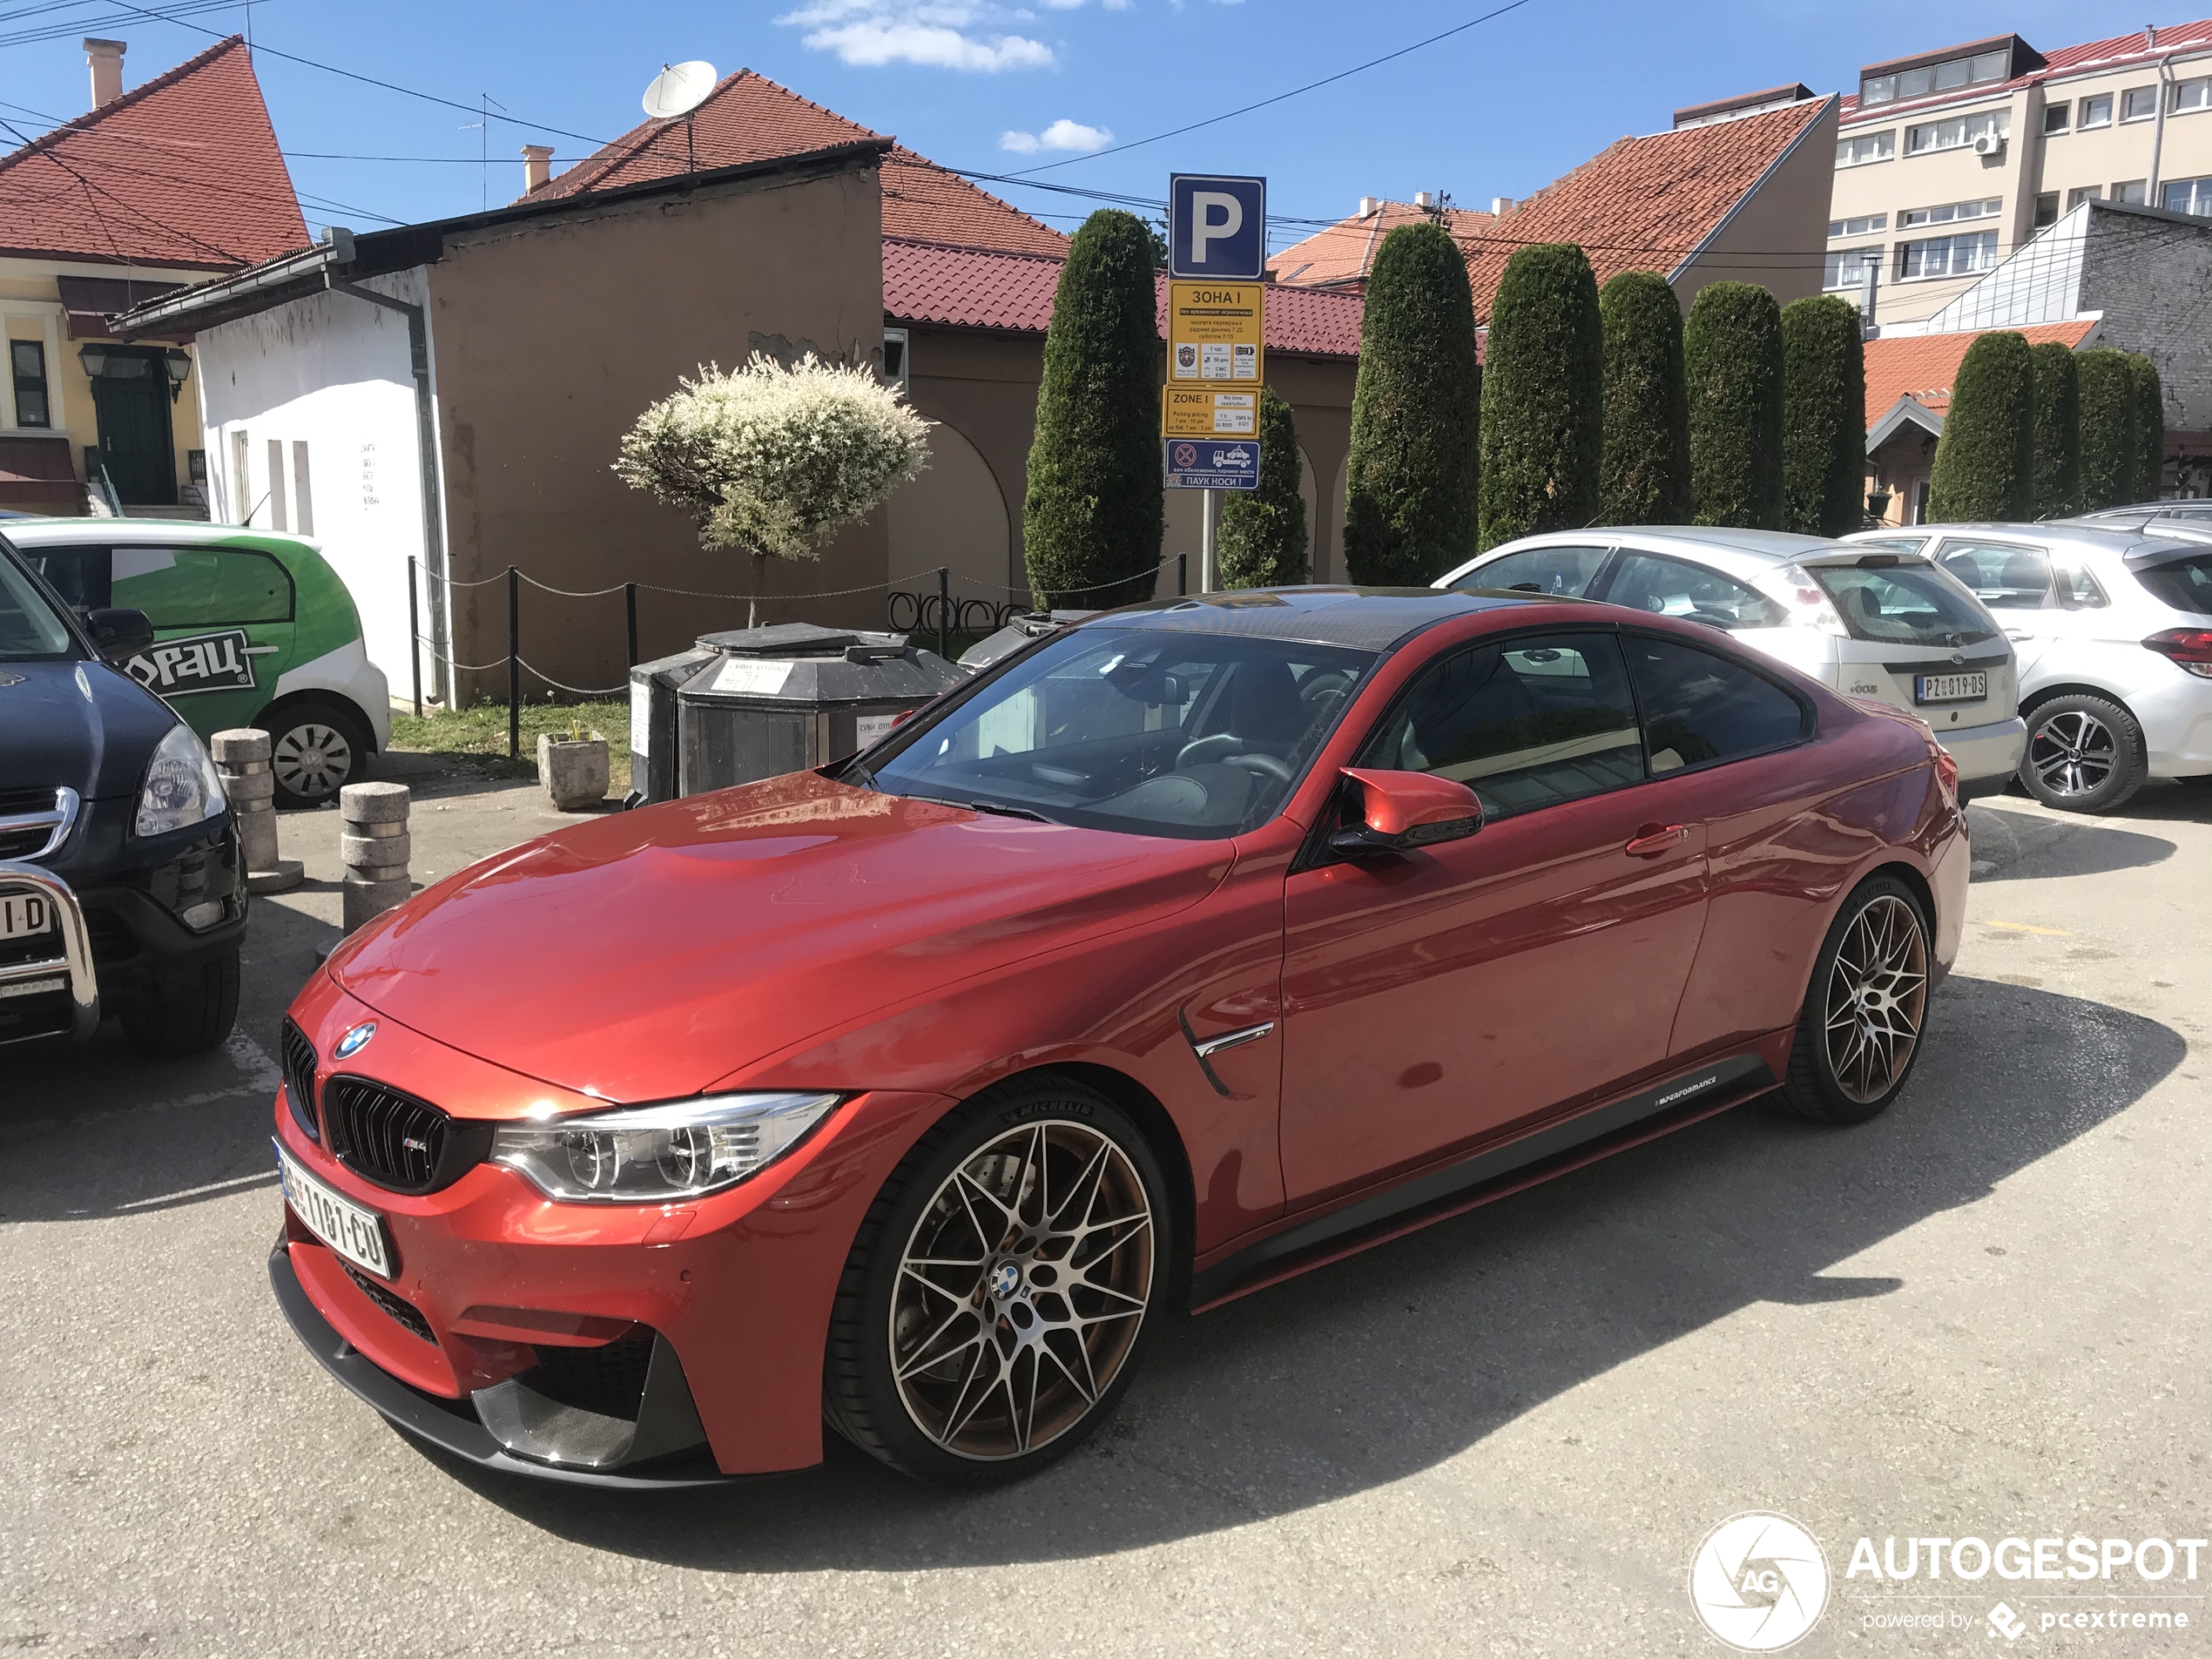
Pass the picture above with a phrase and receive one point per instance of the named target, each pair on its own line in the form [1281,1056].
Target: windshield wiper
[995,808]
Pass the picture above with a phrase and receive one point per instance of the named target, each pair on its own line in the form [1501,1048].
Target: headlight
[182,786]
[653,1154]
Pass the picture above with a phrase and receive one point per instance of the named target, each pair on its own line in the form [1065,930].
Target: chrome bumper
[72,970]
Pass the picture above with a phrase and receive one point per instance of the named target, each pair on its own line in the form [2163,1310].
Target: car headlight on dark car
[654,1154]
[182,787]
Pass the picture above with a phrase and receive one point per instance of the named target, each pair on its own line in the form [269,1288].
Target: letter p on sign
[1216,227]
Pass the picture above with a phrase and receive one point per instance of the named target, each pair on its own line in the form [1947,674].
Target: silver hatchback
[1872,622]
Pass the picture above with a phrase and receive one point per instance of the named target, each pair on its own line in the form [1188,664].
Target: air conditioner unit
[1990,143]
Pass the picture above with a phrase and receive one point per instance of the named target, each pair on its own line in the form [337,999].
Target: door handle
[1654,839]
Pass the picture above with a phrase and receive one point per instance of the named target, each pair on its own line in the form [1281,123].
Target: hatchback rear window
[1903,605]
[2185,585]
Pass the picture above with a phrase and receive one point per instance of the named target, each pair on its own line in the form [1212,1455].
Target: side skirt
[1431,1197]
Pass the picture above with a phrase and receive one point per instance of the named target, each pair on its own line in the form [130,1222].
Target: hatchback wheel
[1001,1287]
[1859,1032]
[2085,754]
[315,749]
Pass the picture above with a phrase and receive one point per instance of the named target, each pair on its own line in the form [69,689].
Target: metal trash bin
[757,702]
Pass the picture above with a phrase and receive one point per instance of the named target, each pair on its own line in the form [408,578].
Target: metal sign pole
[1208,578]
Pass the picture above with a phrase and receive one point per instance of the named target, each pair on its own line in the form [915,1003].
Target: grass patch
[480,732]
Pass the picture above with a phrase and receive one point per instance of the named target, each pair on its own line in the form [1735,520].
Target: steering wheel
[1712,619]
[1206,752]
[1260,761]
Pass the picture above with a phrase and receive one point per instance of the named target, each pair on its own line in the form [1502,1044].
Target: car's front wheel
[1001,1287]
[191,1015]
[1860,1028]
[2085,754]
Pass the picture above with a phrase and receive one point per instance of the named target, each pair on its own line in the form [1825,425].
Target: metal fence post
[414,636]
[630,612]
[514,662]
[944,603]
[1183,574]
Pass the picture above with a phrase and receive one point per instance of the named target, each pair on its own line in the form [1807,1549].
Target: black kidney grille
[394,1139]
[404,1312]
[298,1058]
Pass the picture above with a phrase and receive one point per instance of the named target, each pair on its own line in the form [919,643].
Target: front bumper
[1988,756]
[54,986]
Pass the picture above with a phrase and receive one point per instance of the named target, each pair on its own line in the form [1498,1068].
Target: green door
[130,396]
[223,628]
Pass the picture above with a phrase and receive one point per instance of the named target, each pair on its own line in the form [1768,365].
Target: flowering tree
[773,460]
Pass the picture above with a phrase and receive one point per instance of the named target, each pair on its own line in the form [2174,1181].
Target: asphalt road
[1984,1314]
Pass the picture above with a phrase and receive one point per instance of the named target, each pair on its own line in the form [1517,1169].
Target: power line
[62,31]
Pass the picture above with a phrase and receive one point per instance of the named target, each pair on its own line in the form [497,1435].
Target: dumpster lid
[783,639]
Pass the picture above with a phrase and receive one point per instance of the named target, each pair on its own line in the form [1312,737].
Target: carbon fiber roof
[1360,618]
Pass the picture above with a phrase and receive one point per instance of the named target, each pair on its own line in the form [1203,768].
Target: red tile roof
[1342,255]
[183,171]
[924,203]
[1009,293]
[1924,366]
[1644,204]
[2112,52]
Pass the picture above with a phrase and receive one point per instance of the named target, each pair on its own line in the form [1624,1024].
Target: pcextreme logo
[1759,1582]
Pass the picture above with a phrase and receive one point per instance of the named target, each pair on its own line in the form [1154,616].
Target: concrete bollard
[242,758]
[374,846]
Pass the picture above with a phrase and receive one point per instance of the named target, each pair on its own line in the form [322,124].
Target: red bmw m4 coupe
[1188,948]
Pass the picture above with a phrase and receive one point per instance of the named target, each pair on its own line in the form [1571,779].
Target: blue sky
[1501,109]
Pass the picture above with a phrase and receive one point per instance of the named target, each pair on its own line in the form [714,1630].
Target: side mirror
[1405,810]
[119,633]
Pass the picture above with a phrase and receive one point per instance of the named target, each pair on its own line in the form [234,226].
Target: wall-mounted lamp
[180,365]
[95,360]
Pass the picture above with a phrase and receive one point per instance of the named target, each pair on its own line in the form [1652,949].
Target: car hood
[83,726]
[648,954]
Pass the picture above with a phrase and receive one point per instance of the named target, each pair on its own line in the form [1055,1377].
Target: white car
[2114,630]
[1873,623]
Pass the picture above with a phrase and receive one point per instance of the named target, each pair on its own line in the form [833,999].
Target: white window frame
[2121,187]
[1885,143]
[2058,118]
[1952,212]
[1968,127]
[2087,117]
[2200,196]
[1844,270]
[1985,252]
[2191,96]
[2128,97]
[1864,224]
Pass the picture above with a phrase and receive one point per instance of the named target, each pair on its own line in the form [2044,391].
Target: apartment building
[1947,161]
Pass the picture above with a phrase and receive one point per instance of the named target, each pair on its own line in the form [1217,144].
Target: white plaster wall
[334,372]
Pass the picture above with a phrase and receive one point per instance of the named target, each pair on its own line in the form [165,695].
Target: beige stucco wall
[1779,233]
[549,337]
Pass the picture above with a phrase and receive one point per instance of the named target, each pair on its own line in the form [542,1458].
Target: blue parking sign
[1212,463]
[1217,227]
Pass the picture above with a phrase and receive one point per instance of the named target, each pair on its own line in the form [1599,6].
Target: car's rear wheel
[316,747]
[1002,1288]
[191,1015]
[1864,1012]
[2085,754]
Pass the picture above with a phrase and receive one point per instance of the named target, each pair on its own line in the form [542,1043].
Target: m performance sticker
[214,661]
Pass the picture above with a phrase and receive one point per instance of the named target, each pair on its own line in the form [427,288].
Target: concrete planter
[573,774]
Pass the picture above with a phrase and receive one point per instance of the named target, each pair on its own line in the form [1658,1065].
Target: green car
[251,629]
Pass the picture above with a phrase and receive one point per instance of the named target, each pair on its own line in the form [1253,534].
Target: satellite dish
[678,90]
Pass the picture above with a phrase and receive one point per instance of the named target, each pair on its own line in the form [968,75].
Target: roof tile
[2112,52]
[1924,366]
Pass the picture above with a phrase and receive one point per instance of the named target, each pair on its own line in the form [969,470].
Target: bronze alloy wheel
[1021,1290]
[1877,993]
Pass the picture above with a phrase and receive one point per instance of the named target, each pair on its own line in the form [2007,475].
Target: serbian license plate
[23,915]
[356,1233]
[1950,688]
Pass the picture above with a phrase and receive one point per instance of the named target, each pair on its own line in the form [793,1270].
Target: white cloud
[870,33]
[1062,134]
[1119,5]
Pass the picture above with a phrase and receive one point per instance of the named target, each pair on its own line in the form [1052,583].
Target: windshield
[29,631]
[1198,736]
[2185,585]
[1904,604]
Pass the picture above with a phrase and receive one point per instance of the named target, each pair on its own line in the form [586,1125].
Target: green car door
[223,623]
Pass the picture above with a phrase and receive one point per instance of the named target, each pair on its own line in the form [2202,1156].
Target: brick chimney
[537,165]
[105,58]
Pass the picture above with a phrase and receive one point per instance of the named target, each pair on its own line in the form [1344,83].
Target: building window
[2047,210]
[27,359]
[1866,224]
[1988,207]
[2085,193]
[2193,95]
[1956,133]
[2054,117]
[2131,190]
[2095,112]
[1847,268]
[2188,196]
[1947,256]
[1865,147]
[1935,77]
[2139,104]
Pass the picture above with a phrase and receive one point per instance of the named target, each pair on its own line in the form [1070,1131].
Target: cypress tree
[1411,484]
[2111,448]
[1543,409]
[2150,428]
[1731,349]
[1824,417]
[1985,462]
[1262,542]
[1643,471]
[1094,513]
[2057,430]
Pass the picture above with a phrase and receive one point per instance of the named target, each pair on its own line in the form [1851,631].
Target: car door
[2012,580]
[1447,996]
[223,627]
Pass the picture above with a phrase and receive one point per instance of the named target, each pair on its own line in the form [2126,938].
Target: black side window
[78,574]
[1699,708]
[1677,588]
[1525,724]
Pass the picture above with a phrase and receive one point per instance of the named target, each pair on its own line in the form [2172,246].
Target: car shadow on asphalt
[2027,846]
[1383,1365]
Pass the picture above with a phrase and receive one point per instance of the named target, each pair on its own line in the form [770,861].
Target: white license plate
[23,914]
[1950,688]
[356,1233]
